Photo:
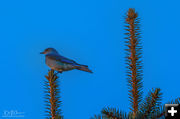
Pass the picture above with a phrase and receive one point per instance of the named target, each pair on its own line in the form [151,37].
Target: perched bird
[59,63]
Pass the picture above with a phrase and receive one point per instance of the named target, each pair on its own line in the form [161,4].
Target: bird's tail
[84,68]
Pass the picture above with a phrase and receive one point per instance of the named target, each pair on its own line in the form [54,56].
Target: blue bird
[59,63]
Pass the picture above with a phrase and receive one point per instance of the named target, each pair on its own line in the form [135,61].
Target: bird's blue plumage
[57,62]
[61,59]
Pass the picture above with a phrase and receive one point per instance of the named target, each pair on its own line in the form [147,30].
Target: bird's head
[48,51]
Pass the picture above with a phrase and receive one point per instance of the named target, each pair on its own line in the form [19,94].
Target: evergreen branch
[160,114]
[151,104]
[97,117]
[133,60]
[113,113]
[52,96]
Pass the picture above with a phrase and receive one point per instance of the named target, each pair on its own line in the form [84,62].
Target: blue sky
[92,33]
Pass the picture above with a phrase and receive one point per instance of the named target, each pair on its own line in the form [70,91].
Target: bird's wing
[61,59]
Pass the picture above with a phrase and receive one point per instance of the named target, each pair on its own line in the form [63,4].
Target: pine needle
[133,60]
[52,98]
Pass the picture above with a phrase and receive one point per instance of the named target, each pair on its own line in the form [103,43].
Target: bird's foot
[60,72]
[56,73]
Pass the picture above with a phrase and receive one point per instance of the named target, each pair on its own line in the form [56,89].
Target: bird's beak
[41,52]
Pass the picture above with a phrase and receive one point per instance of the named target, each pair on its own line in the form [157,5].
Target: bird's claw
[60,72]
[56,73]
